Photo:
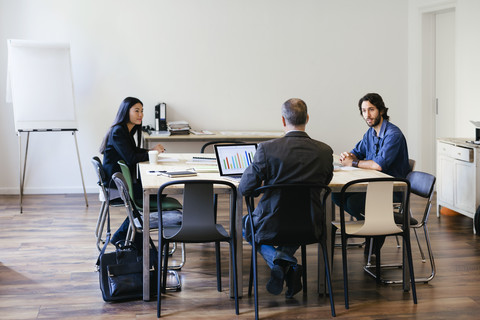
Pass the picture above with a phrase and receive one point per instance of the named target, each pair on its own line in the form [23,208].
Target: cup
[153,156]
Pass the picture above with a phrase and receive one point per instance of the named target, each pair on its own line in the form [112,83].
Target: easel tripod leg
[22,175]
[80,166]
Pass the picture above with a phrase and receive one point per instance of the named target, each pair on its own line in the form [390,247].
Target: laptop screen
[233,159]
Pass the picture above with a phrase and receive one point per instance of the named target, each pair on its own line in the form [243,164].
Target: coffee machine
[477,132]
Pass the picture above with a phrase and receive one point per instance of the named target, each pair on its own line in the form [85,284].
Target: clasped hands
[346,158]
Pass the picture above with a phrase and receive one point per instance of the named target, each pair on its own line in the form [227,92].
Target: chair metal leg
[176,285]
[233,258]
[304,262]
[100,225]
[160,271]
[345,273]
[368,267]
[250,278]
[255,279]
[419,246]
[219,266]
[430,255]
[184,257]
[329,280]
[164,271]
[406,242]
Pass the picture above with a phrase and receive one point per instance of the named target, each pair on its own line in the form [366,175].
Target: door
[445,74]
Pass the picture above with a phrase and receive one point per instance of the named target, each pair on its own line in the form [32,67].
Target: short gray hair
[295,111]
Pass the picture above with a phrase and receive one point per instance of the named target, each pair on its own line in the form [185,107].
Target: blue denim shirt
[389,149]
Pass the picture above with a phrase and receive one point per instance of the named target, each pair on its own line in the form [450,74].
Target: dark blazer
[121,146]
[294,158]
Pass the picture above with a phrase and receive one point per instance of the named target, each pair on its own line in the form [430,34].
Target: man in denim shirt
[382,148]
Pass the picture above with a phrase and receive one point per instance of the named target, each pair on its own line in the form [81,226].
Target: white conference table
[169,161]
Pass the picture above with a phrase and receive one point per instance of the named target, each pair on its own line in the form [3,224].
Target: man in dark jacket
[294,158]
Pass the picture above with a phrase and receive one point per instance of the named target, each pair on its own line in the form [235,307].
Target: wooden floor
[47,271]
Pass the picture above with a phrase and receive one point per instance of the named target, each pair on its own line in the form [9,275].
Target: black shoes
[281,272]
[277,276]
[294,280]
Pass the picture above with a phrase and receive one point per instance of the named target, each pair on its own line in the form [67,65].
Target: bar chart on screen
[238,160]
[234,158]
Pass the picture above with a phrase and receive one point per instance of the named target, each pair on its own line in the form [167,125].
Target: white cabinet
[458,176]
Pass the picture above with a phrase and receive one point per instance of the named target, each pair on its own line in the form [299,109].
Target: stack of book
[179,127]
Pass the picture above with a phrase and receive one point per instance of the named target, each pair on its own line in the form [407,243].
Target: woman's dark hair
[377,101]
[123,117]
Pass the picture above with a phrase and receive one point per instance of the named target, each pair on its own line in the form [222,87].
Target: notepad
[181,173]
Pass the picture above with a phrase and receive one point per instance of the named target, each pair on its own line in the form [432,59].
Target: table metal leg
[322,288]
[239,257]
[146,246]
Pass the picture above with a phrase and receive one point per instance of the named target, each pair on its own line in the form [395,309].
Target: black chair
[212,143]
[168,204]
[199,225]
[299,225]
[171,217]
[204,147]
[422,184]
[105,193]
[379,221]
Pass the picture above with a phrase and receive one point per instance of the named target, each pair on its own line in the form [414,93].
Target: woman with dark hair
[119,144]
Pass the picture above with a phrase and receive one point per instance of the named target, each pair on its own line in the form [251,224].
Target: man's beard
[376,121]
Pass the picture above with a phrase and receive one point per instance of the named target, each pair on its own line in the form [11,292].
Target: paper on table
[206,169]
[342,168]
[181,173]
[165,159]
[196,163]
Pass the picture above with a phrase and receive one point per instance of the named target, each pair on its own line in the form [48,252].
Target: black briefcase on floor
[121,271]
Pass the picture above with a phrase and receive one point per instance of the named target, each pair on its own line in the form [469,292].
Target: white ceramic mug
[153,156]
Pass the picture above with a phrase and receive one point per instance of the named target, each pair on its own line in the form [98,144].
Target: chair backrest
[202,150]
[199,215]
[296,219]
[422,185]
[127,176]
[379,212]
[97,165]
[411,164]
[122,186]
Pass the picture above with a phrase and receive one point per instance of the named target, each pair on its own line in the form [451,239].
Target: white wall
[222,65]
[468,67]
[467,77]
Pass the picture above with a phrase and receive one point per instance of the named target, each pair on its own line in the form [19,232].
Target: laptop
[233,159]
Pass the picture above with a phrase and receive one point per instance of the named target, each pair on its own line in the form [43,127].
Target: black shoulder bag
[121,271]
